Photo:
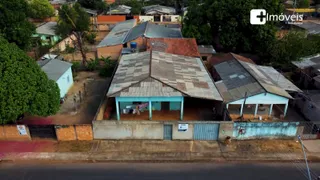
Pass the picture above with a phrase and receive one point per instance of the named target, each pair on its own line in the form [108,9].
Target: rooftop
[91,11]
[155,9]
[308,61]
[162,74]
[311,27]
[206,49]
[150,30]
[47,28]
[120,9]
[179,46]
[239,77]
[54,68]
[118,33]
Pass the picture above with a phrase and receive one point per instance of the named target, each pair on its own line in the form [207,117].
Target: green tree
[14,24]
[136,6]
[41,9]
[24,87]
[74,20]
[228,23]
[94,4]
[303,4]
[292,47]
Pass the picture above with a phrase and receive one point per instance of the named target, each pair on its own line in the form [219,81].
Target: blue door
[206,131]
[167,132]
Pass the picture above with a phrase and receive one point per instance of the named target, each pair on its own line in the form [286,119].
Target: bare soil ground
[91,54]
[267,146]
[82,112]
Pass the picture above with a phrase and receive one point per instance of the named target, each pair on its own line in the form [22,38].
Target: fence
[309,130]
[74,132]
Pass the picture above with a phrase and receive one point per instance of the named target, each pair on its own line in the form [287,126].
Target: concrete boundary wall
[10,132]
[107,129]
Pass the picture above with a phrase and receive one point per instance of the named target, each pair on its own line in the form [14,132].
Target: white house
[252,90]
[60,72]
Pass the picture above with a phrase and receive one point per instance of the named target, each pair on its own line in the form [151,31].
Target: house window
[204,58]
[68,79]
[125,45]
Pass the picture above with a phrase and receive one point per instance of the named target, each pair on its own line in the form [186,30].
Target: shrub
[91,37]
[93,64]
[108,67]
[76,66]
[70,49]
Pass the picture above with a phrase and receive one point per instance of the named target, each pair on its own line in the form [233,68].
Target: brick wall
[10,132]
[65,133]
[84,132]
[74,132]
[112,51]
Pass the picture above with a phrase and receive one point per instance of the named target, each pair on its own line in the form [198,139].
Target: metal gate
[206,131]
[42,131]
[167,132]
[311,130]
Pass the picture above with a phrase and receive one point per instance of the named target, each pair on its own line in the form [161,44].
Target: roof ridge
[146,29]
[237,60]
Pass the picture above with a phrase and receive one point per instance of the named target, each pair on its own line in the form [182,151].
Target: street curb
[156,157]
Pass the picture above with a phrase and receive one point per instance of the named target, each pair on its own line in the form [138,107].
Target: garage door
[42,131]
[206,131]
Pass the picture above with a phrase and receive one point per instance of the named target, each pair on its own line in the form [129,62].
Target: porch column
[241,110]
[117,107]
[256,110]
[285,109]
[181,109]
[227,106]
[150,110]
[270,110]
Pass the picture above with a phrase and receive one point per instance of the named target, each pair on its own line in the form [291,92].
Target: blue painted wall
[156,106]
[175,106]
[265,130]
[65,82]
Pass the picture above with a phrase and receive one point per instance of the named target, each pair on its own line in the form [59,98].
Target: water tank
[133,45]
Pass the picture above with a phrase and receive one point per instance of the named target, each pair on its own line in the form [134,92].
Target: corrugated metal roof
[178,74]
[47,28]
[150,30]
[206,49]
[118,33]
[159,8]
[121,9]
[307,61]
[239,77]
[54,68]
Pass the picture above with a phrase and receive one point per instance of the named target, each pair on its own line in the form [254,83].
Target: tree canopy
[14,24]
[226,24]
[24,87]
[41,9]
[303,4]
[74,20]
[93,4]
[292,47]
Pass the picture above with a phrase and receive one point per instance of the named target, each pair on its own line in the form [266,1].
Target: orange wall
[10,132]
[112,51]
[110,18]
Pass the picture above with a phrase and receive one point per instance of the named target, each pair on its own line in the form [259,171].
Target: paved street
[144,171]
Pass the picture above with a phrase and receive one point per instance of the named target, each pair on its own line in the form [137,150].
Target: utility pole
[305,157]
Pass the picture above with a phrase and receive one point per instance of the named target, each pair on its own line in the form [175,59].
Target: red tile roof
[179,46]
[219,58]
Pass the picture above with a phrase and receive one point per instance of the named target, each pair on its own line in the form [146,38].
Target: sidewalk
[148,150]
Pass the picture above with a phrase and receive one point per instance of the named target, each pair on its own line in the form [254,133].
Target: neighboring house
[206,51]
[309,71]
[308,104]
[119,10]
[58,3]
[161,85]
[46,33]
[58,71]
[112,44]
[107,22]
[250,90]
[124,34]
[179,46]
[158,10]
[310,27]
